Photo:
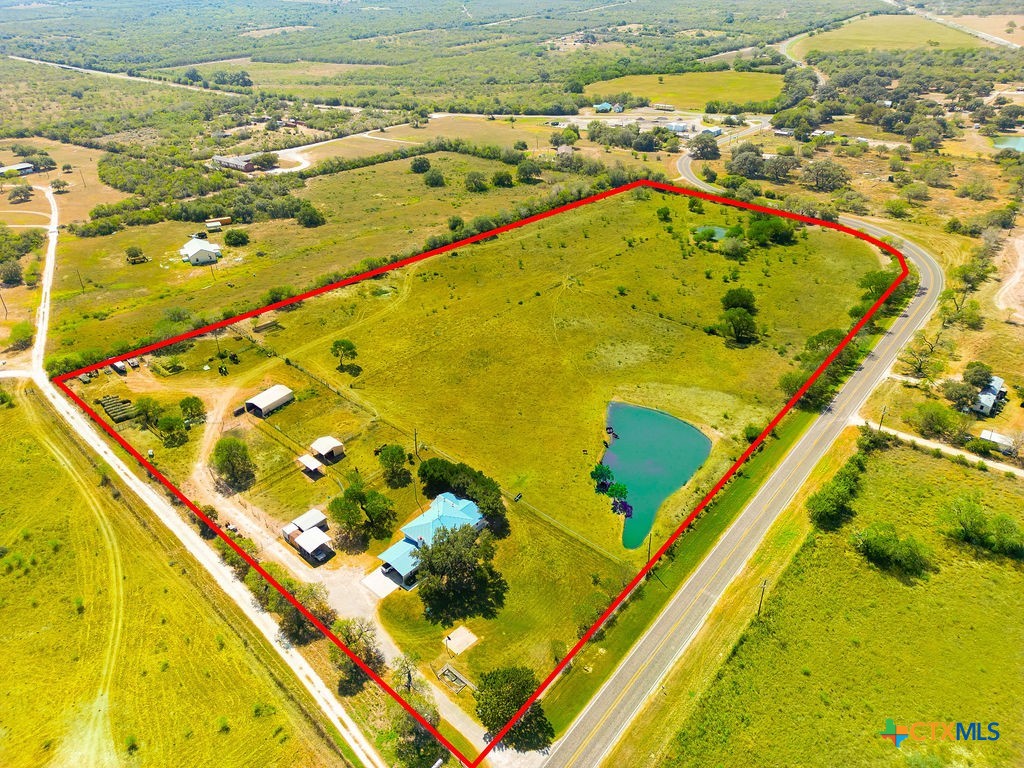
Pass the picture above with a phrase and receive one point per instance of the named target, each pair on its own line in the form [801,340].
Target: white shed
[328,448]
[314,518]
[309,463]
[313,543]
[269,400]
[199,252]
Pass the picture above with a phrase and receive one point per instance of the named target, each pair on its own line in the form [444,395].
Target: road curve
[600,726]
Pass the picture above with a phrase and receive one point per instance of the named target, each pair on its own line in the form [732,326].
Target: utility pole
[882,417]
[80,281]
[4,303]
[83,178]
[764,586]
[649,536]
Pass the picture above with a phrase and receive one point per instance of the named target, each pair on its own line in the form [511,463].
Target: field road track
[600,726]
[169,517]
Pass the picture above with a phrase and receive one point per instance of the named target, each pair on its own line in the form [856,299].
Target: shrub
[236,238]
[433,178]
[419,165]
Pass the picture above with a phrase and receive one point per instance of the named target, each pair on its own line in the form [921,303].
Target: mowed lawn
[371,212]
[841,646]
[693,90]
[886,33]
[505,355]
[113,636]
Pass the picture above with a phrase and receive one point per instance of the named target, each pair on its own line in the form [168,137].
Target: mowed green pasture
[371,212]
[506,354]
[886,33]
[841,646]
[113,635]
[693,90]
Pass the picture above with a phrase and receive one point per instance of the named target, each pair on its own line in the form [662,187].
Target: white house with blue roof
[990,398]
[446,511]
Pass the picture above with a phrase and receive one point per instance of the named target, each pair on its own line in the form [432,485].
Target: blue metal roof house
[604,106]
[446,511]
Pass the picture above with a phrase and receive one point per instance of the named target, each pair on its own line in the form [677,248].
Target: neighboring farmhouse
[20,169]
[446,511]
[200,252]
[991,397]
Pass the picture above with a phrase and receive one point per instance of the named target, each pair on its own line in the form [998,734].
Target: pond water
[1009,142]
[654,455]
[719,232]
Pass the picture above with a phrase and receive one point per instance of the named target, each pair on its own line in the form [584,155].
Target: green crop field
[117,646]
[693,90]
[376,211]
[841,646]
[887,33]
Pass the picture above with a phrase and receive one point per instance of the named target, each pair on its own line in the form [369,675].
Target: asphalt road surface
[596,731]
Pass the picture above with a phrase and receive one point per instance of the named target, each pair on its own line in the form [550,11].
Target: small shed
[310,464]
[1006,446]
[314,518]
[314,544]
[328,448]
[269,400]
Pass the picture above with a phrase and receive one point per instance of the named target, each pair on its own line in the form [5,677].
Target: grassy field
[617,307]
[375,211]
[886,33]
[993,25]
[876,647]
[693,90]
[114,637]
[299,79]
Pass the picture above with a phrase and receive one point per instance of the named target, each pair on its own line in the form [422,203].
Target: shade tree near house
[457,577]
[361,513]
[415,746]
[500,695]
[392,463]
[440,476]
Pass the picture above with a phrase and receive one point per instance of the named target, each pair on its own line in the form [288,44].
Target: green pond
[1009,142]
[654,455]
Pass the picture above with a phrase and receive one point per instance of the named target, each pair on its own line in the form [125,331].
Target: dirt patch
[257,33]
[1010,295]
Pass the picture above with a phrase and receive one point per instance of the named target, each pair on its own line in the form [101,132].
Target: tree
[501,694]
[392,462]
[148,411]
[733,248]
[433,178]
[739,297]
[778,168]
[380,514]
[961,394]
[350,520]
[236,238]
[133,253]
[664,214]
[528,171]
[232,461]
[192,408]
[618,491]
[20,194]
[825,176]
[59,186]
[933,419]
[476,182]
[264,161]
[922,358]
[978,374]
[420,164]
[746,164]
[344,349]
[502,179]
[829,507]
[360,637]
[457,579]
[21,336]
[10,272]
[308,216]
[204,529]
[67,168]
[703,146]
[739,325]
[602,476]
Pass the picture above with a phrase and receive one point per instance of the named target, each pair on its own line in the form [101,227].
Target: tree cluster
[441,476]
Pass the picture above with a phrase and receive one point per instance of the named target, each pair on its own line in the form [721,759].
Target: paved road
[638,677]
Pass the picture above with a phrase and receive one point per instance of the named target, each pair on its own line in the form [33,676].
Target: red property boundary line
[661,187]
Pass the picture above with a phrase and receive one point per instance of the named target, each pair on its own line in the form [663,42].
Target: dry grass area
[993,25]
[258,33]
[85,190]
